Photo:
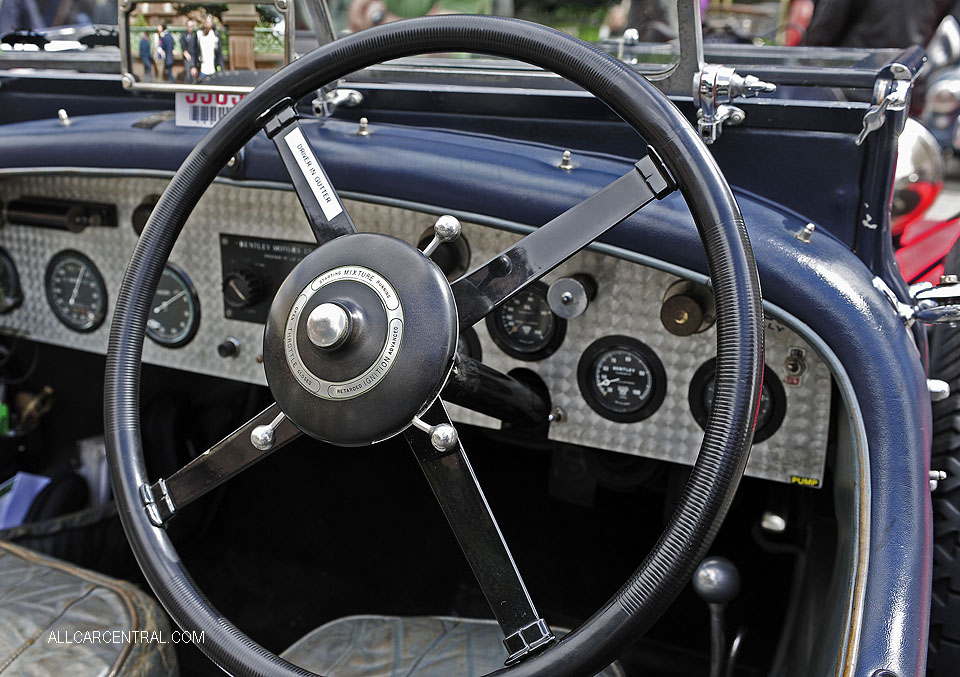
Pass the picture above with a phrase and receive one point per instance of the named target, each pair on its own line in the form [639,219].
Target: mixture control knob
[569,296]
[242,288]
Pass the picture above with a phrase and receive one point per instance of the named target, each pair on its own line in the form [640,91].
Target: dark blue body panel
[822,283]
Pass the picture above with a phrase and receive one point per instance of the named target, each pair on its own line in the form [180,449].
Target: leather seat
[51,610]
[391,646]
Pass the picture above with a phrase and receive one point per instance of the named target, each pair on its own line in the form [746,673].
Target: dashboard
[624,349]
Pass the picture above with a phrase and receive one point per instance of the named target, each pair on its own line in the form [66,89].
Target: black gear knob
[717,580]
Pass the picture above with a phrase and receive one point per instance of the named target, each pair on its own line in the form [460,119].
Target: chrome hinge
[876,115]
[714,88]
[159,509]
[890,94]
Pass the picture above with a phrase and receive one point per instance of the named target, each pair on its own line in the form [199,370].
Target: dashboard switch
[687,309]
[230,347]
[242,288]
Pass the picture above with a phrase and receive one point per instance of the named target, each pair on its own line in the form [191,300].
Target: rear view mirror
[204,46]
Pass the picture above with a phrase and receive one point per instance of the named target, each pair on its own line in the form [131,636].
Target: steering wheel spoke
[325,210]
[480,291]
[448,471]
[250,443]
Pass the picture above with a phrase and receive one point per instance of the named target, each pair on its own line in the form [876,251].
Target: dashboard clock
[76,291]
[773,400]
[524,327]
[174,315]
[622,379]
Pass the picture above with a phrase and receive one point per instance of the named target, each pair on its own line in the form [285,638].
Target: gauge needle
[605,382]
[235,288]
[76,286]
[159,309]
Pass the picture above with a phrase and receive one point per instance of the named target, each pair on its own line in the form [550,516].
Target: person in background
[165,52]
[876,23]
[366,13]
[20,15]
[145,58]
[191,54]
[209,45]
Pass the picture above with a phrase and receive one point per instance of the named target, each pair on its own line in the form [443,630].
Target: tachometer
[773,400]
[622,379]
[76,291]
[524,327]
[174,315]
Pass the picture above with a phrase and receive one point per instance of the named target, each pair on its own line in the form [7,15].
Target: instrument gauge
[773,401]
[622,379]
[76,291]
[524,327]
[468,343]
[174,315]
[11,293]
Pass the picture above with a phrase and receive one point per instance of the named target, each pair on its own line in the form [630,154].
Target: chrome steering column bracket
[527,639]
[715,87]
[159,508]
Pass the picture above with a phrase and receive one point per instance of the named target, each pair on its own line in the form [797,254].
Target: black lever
[717,581]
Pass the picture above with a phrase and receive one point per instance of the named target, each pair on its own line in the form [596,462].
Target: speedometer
[174,315]
[622,379]
[76,291]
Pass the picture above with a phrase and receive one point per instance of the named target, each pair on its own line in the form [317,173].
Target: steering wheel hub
[360,339]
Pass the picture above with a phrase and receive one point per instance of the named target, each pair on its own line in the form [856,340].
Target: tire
[944,648]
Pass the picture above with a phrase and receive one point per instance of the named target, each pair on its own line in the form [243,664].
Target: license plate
[203,110]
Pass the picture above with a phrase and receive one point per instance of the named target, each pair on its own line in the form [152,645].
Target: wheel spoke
[228,457]
[454,484]
[482,290]
[325,210]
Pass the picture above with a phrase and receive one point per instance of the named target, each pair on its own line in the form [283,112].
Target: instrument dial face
[525,327]
[770,413]
[76,291]
[622,379]
[174,315]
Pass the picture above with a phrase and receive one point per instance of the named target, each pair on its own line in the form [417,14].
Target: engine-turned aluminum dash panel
[627,302]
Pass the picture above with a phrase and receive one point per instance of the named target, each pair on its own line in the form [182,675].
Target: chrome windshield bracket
[527,639]
[715,87]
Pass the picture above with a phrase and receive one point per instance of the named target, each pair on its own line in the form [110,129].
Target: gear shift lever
[717,581]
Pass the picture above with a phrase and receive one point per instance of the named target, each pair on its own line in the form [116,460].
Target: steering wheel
[362,337]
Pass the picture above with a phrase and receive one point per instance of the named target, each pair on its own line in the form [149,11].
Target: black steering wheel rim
[723,454]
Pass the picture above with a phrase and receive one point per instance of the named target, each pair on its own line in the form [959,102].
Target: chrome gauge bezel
[772,384]
[505,342]
[193,299]
[99,315]
[586,369]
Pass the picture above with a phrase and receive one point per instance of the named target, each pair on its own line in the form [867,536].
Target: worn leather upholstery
[45,603]
[392,646]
